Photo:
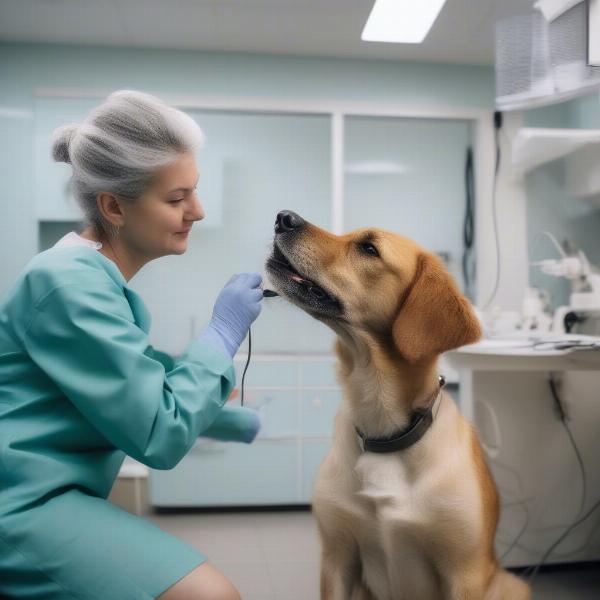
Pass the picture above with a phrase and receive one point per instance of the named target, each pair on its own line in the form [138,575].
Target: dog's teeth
[297,278]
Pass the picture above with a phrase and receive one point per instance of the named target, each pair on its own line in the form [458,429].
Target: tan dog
[416,523]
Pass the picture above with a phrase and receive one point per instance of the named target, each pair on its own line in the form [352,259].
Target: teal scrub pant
[80,546]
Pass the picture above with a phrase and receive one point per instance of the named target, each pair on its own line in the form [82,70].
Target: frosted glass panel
[266,162]
[408,176]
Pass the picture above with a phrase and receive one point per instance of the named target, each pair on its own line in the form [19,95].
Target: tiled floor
[275,555]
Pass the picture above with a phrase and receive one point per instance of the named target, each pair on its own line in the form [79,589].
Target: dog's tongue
[298,278]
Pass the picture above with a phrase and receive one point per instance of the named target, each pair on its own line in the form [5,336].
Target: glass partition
[408,176]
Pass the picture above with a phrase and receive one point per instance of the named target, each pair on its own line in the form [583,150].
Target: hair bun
[61,140]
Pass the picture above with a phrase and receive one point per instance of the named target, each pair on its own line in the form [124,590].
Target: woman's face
[159,223]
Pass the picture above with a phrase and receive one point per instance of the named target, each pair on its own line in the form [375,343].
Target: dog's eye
[369,248]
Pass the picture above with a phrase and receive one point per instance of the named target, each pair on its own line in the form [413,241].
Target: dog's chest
[387,491]
[395,515]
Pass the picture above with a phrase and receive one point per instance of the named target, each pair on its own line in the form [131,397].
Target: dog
[405,504]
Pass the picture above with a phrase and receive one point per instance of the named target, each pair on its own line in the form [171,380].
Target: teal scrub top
[80,387]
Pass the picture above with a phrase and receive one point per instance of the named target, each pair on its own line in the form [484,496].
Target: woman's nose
[197,213]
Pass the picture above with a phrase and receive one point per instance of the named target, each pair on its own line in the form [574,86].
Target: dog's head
[373,281]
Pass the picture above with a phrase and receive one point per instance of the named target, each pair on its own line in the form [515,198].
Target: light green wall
[26,67]
[584,112]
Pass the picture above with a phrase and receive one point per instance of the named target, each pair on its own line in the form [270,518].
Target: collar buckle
[361,441]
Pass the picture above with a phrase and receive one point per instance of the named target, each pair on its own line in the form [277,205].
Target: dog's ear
[434,316]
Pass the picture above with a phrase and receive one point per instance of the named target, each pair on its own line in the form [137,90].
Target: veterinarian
[80,387]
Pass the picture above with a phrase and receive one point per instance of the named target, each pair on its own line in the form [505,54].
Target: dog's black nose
[288,220]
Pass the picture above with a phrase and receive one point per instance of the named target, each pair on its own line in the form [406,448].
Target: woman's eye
[175,200]
[369,248]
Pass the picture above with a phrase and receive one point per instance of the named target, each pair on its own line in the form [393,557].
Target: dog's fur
[417,524]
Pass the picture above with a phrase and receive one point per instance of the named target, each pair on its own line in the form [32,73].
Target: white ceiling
[463,33]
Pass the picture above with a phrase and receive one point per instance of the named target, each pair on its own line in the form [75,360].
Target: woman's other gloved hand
[236,307]
[235,424]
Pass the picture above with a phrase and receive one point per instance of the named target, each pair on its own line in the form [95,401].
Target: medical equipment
[534,311]
[585,288]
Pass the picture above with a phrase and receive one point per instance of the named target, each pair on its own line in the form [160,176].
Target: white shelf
[534,146]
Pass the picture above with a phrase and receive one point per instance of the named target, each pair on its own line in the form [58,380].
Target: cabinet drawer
[230,474]
[319,408]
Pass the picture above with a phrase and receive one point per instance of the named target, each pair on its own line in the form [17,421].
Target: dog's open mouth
[299,287]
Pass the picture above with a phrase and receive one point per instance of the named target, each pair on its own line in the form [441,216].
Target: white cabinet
[297,397]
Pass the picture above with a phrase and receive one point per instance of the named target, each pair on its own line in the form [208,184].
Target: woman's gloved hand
[236,307]
[235,424]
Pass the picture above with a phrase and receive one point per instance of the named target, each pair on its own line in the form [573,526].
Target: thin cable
[563,419]
[560,539]
[521,503]
[519,535]
[247,362]
[557,245]
[495,217]
[266,294]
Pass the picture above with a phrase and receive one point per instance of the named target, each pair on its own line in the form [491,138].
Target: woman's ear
[435,316]
[110,208]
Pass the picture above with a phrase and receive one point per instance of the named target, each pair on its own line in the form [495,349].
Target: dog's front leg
[340,574]
[466,585]
[361,592]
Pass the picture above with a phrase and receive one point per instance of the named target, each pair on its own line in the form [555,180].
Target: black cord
[561,414]
[560,539]
[468,226]
[497,127]
[247,362]
[266,294]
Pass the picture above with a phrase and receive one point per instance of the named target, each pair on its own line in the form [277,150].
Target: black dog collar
[420,422]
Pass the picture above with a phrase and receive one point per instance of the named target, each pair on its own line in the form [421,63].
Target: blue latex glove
[236,307]
[235,424]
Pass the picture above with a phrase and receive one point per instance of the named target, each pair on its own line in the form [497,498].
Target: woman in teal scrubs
[80,386]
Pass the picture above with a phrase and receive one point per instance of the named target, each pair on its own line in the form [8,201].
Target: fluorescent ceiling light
[401,21]
[376,167]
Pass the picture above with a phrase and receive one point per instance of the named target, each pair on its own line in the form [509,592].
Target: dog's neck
[382,389]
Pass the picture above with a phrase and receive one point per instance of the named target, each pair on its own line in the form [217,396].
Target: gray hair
[119,147]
